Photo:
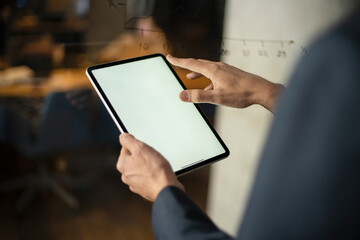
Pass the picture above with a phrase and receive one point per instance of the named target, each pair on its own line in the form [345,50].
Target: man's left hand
[144,169]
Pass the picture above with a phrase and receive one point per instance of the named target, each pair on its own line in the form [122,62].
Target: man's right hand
[230,86]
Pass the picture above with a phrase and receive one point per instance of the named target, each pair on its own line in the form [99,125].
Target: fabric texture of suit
[307,184]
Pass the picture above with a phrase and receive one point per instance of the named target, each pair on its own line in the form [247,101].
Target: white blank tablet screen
[145,96]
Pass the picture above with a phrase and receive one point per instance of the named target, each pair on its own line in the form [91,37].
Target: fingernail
[185,96]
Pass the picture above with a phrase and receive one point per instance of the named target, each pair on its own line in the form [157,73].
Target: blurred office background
[58,146]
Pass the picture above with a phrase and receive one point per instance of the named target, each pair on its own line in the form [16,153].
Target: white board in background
[266,38]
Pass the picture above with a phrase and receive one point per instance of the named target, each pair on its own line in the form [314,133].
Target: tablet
[142,96]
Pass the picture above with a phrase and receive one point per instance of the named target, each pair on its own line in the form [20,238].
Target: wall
[266,38]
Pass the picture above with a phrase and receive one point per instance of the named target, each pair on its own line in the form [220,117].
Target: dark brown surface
[108,210]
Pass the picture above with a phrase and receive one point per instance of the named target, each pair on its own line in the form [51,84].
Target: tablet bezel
[121,125]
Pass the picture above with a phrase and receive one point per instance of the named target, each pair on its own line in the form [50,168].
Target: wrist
[269,95]
[168,179]
[173,181]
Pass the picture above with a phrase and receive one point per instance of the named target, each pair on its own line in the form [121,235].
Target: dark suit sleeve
[175,216]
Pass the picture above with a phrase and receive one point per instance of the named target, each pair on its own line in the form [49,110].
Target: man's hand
[230,86]
[144,169]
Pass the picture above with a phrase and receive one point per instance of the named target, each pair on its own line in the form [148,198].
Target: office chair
[63,130]
[14,129]
[15,132]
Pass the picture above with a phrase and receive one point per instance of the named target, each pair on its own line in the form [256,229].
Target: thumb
[197,96]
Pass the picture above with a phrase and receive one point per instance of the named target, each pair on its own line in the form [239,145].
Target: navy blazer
[307,184]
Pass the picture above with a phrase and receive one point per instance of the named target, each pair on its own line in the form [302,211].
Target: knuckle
[221,64]
[197,96]
[218,98]
[138,149]
[186,61]
[215,69]
[141,145]
[124,178]
[119,165]
[131,188]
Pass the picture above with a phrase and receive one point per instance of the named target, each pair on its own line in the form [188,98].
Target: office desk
[125,46]
[70,79]
[59,80]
